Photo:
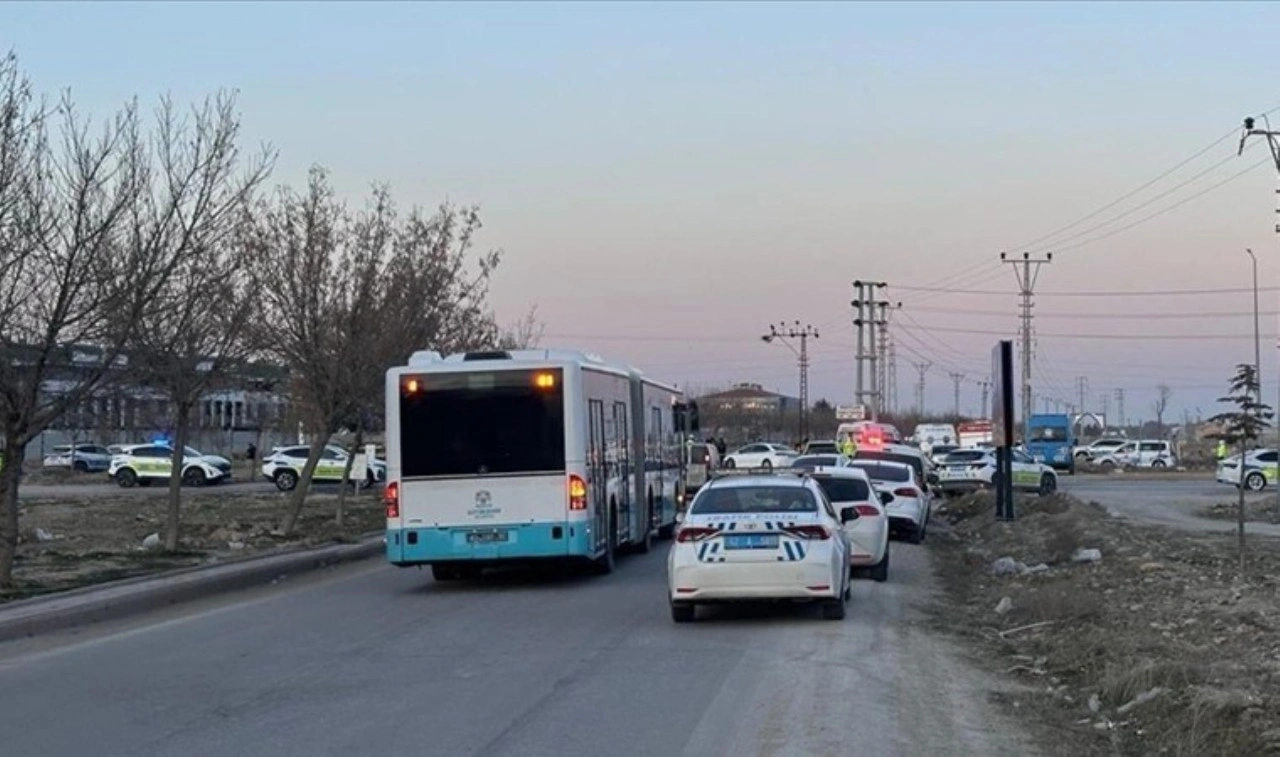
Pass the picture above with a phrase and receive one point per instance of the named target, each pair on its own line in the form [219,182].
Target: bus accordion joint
[391,498]
[577,492]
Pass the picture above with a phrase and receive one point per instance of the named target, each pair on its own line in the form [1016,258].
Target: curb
[120,599]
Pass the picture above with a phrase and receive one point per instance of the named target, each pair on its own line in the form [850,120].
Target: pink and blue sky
[669,179]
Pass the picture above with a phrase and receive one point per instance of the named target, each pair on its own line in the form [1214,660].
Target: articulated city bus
[498,457]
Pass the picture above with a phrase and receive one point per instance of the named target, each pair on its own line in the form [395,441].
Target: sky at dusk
[667,180]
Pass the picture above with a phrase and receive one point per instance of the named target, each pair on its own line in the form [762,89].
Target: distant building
[747,412]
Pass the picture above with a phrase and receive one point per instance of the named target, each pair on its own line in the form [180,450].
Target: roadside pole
[1002,407]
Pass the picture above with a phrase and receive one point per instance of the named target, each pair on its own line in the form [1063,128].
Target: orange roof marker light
[545,380]
[411,386]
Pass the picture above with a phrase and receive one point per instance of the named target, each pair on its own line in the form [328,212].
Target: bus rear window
[481,423]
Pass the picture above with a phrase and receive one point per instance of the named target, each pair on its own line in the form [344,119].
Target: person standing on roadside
[1221,451]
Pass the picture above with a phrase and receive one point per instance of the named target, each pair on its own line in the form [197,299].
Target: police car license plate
[486,537]
[751,541]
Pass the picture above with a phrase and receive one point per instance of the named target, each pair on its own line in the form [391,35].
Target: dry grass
[1181,655]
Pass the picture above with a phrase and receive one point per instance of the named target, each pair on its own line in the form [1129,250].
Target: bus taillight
[577,492]
[391,498]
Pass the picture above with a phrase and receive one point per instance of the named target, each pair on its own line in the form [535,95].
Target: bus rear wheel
[604,564]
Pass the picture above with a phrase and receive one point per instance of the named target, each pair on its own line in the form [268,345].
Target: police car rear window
[815,461]
[754,499]
[914,462]
[884,472]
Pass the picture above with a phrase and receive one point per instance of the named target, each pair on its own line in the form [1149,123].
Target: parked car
[84,458]
[966,470]
[142,464]
[1097,448]
[1261,468]
[283,466]
[1142,453]
[761,455]
[906,499]
[868,534]
[760,537]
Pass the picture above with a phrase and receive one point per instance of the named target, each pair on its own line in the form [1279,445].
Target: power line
[1104,316]
[1174,206]
[1127,195]
[1160,337]
[1114,293]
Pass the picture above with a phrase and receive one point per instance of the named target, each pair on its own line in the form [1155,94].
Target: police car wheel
[286,480]
[1255,482]
[193,477]
[126,478]
[1158,464]
[1047,485]
[80,466]
[767,465]
[683,612]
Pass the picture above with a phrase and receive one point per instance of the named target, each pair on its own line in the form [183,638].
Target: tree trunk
[172,524]
[15,453]
[1240,515]
[299,494]
[346,475]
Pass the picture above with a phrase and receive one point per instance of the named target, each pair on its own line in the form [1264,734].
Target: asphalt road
[1172,501]
[373,660]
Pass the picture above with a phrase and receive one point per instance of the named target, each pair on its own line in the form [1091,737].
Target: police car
[760,537]
[284,467]
[141,464]
[1261,470]
[965,470]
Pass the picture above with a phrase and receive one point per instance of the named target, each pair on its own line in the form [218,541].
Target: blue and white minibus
[507,456]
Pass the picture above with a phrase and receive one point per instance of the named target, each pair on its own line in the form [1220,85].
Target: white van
[929,434]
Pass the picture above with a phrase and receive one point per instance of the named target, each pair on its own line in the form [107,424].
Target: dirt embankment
[1152,644]
[67,543]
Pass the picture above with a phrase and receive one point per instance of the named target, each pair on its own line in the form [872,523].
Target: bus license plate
[486,537]
[751,541]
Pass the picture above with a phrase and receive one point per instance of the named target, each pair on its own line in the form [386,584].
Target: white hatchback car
[968,470]
[761,455]
[868,534]
[760,537]
[906,501]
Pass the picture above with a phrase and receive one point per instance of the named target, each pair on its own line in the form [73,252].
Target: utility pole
[1124,422]
[1106,408]
[986,392]
[922,369]
[864,304]
[893,376]
[1082,390]
[1273,144]
[956,378]
[881,321]
[1027,271]
[782,333]
[1047,402]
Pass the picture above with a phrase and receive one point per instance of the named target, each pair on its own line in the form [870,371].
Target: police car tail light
[577,492]
[819,533]
[866,510]
[391,498]
[907,491]
[694,533]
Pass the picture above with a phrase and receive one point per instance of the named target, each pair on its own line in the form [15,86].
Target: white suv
[1143,453]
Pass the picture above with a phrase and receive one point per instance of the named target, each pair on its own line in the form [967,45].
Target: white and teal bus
[501,457]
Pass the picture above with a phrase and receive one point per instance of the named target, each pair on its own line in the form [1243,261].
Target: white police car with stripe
[760,537]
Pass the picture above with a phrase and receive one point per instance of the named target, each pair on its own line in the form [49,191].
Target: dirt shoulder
[1151,645]
[70,542]
[1255,511]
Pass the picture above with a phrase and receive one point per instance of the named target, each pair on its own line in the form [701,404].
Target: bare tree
[362,294]
[91,230]
[524,333]
[1163,393]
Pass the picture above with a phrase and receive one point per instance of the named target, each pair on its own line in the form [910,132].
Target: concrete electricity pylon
[893,376]
[956,379]
[865,306]
[781,332]
[1027,271]
[986,393]
[883,391]
[1124,422]
[1082,391]
[923,370]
